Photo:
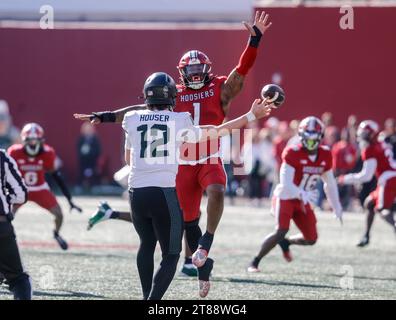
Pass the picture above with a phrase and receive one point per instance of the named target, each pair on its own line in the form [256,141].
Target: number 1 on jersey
[197,113]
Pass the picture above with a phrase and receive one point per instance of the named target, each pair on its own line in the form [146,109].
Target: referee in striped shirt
[12,191]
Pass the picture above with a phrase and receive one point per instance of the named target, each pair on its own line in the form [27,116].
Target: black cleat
[364,242]
[62,243]
[203,277]
[285,244]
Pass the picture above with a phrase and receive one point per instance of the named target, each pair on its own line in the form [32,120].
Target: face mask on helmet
[364,135]
[310,140]
[32,146]
[195,76]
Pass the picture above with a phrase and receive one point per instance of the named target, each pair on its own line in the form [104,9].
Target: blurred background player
[207,97]
[377,160]
[302,167]
[388,135]
[35,158]
[89,151]
[9,134]
[344,154]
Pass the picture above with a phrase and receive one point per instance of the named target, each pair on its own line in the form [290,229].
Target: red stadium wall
[47,75]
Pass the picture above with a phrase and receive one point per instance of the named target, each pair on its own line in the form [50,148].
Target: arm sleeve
[331,190]
[367,173]
[286,177]
[16,186]
[62,185]
[288,157]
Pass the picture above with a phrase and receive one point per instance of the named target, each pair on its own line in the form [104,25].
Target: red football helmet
[194,67]
[367,130]
[311,132]
[32,136]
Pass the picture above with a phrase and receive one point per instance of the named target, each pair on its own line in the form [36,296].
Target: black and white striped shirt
[12,187]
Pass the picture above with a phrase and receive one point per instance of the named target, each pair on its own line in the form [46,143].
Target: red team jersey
[344,156]
[33,169]
[205,107]
[308,172]
[383,153]
[385,194]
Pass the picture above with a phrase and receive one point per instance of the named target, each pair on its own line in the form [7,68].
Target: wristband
[255,40]
[105,116]
[250,116]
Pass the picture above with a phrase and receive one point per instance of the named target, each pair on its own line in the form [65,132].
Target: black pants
[157,216]
[10,263]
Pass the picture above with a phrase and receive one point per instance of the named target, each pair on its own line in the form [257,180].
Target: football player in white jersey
[153,139]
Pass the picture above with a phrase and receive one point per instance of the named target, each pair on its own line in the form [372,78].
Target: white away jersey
[154,138]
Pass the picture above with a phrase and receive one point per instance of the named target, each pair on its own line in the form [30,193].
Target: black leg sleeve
[164,276]
[193,234]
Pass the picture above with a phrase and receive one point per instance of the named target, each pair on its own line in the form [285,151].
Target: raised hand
[260,21]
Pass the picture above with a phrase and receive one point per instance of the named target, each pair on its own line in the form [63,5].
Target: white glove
[311,196]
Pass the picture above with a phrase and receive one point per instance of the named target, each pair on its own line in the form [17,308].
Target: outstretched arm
[233,85]
[260,109]
[108,116]
[367,173]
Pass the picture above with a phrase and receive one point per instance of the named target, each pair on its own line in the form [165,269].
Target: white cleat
[204,287]
[203,276]
[199,257]
[253,269]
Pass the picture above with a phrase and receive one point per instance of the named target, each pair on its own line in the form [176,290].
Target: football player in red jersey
[302,167]
[377,160]
[34,159]
[207,97]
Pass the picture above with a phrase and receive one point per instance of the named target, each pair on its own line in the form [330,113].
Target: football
[274,93]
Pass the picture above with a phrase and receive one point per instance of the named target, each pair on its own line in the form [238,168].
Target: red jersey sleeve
[328,160]
[368,153]
[289,157]
[49,158]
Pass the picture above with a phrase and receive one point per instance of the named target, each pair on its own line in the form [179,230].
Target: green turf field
[100,264]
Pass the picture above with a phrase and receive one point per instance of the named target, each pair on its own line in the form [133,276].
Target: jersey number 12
[153,130]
